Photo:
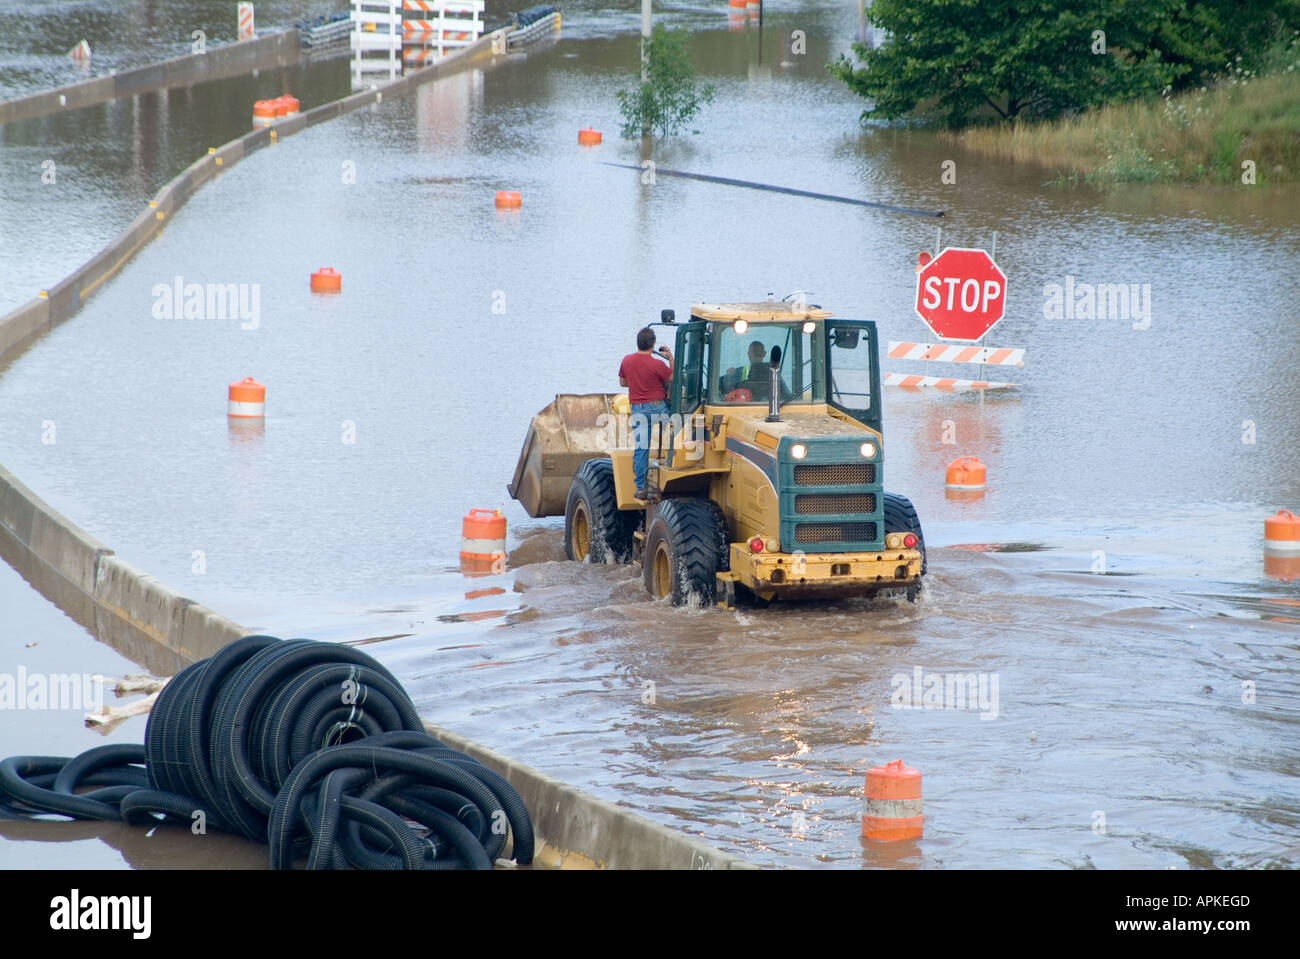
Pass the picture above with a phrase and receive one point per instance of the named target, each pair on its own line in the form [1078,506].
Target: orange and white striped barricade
[950,353]
[430,28]
[244,19]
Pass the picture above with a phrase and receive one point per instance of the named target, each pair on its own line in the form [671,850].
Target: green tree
[960,60]
[1212,37]
[670,97]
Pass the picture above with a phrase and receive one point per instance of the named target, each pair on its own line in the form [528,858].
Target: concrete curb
[280,49]
[570,824]
[125,608]
[156,626]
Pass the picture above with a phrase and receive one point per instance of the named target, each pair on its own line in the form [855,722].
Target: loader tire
[685,549]
[900,517]
[595,529]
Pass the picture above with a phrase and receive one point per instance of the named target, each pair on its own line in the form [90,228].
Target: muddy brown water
[1134,693]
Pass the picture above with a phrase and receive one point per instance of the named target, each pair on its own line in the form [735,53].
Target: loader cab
[824,360]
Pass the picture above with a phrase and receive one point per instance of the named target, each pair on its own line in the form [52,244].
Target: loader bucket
[573,429]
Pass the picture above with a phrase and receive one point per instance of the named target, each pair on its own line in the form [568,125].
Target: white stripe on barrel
[891,808]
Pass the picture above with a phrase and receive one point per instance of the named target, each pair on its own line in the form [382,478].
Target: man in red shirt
[647,383]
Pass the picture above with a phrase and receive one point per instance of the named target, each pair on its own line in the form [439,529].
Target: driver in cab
[752,383]
[753,377]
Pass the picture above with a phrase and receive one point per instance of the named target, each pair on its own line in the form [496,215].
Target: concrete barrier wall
[127,609]
[577,831]
[280,49]
[165,631]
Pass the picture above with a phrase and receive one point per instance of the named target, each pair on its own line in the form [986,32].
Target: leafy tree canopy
[962,60]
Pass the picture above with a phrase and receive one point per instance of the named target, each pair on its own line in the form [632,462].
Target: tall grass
[1200,136]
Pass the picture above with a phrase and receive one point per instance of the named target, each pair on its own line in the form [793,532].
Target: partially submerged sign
[961,294]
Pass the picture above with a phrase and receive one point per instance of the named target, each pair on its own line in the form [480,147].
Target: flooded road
[1134,660]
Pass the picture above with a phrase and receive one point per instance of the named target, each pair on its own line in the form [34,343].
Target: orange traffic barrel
[507,200]
[1282,534]
[737,3]
[891,804]
[291,105]
[482,541]
[325,280]
[264,113]
[588,137]
[965,474]
[1282,546]
[247,399]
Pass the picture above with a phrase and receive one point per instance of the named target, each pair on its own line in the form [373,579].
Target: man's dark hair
[645,338]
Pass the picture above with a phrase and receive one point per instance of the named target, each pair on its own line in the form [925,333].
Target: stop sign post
[961,294]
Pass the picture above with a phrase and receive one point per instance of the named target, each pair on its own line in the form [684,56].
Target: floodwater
[1140,702]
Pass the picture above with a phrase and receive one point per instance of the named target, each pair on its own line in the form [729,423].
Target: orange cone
[891,804]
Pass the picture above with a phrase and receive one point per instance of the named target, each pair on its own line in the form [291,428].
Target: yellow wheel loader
[767,474]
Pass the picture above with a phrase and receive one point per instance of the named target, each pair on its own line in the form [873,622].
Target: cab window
[743,363]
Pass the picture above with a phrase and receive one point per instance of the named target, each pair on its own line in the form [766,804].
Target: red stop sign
[961,294]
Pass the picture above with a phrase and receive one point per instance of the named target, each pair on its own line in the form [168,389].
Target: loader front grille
[813,504]
[835,474]
[834,532]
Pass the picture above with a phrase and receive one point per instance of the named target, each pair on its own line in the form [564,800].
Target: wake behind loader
[768,474]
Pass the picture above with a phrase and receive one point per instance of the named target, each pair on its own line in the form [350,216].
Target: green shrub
[670,97]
